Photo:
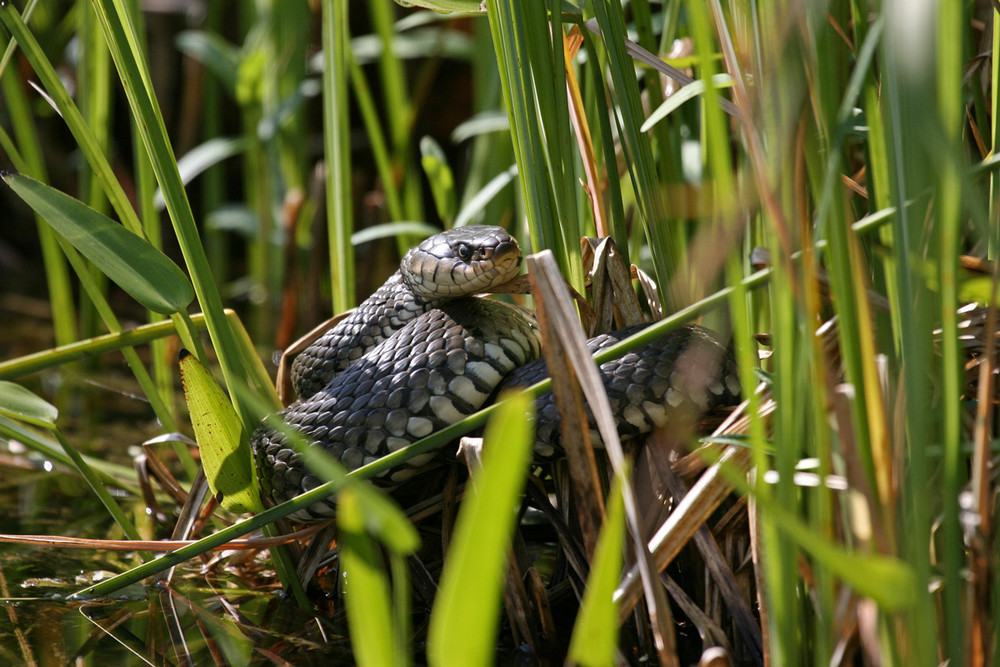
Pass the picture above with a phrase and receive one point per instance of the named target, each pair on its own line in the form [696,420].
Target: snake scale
[422,353]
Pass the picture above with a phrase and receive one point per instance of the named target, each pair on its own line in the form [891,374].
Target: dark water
[212,611]
[221,609]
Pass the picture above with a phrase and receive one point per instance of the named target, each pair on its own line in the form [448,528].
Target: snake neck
[377,318]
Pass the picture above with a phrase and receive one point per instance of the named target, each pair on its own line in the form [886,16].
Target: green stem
[337,149]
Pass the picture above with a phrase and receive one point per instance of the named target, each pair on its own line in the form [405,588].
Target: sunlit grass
[844,140]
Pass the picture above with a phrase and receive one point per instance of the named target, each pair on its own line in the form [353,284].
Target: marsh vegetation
[815,180]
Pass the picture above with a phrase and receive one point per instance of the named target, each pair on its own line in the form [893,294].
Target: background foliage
[816,178]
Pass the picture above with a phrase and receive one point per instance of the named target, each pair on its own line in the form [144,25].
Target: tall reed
[808,177]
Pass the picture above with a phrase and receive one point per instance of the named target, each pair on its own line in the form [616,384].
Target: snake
[424,351]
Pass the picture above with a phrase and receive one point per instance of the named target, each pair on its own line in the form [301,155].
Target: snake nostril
[504,250]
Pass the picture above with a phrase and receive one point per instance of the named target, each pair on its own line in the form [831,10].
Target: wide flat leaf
[225,449]
[18,403]
[466,612]
[890,581]
[131,261]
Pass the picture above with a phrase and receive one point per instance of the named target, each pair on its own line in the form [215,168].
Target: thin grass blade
[595,633]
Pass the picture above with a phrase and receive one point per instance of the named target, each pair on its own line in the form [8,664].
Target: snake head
[461,262]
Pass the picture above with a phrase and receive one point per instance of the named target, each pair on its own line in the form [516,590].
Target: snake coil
[422,353]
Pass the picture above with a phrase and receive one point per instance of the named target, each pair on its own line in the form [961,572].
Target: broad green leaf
[225,450]
[18,403]
[890,581]
[595,633]
[439,176]
[129,260]
[386,521]
[466,610]
[367,592]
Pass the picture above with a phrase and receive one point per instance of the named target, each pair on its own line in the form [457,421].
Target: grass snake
[422,353]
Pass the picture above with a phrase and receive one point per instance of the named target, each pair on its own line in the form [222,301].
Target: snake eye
[464,252]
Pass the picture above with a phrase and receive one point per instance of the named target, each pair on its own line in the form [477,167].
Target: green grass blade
[337,151]
[380,516]
[108,256]
[121,476]
[22,405]
[905,93]
[32,163]
[63,354]
[466,610]
[595,632]
[953,562]
[71,115]
[507,21]
[688,92]
[98,487]
[134,73]
[367,591]
[399,112]
[638,152]
[376,138]
[94,98]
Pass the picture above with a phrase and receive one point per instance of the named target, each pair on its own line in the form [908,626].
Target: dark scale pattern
[385,312]
[460,262]
[410,361]
[687,370]
[436,370]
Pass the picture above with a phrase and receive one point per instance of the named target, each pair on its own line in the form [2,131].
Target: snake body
[421,353]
